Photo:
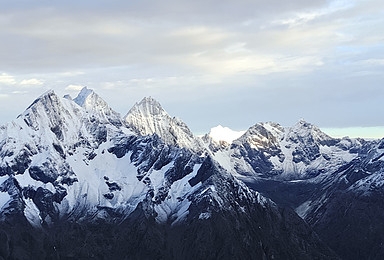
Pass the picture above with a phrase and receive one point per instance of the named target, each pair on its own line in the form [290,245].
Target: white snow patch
[222,133]
[91,187]
[176,204]
[205,215]
[26,180]
[303,209]
[223,157]
[3,178]
[157,177]
[4,199]
[32,213]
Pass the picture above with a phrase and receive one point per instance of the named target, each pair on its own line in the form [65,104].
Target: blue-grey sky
[233,63]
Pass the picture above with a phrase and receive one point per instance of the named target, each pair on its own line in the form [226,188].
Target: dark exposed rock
[44,199]
[59,149]
[113,186]
[206,170]
[18,165]
[58,132]
[91,156]
[99,132]
[68,180]
[109,196]
[122,146]
[60,193]
[182,166]
[42,174]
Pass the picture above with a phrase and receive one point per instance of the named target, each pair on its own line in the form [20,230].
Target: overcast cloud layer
[233,63]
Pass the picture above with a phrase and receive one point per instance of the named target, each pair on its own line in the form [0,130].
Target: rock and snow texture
[298,152]
[78,160]
[336,185]
[148,117]
[74,159]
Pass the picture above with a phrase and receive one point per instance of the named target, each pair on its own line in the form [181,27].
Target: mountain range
[80,181]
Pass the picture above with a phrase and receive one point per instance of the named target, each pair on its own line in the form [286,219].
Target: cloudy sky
[211,62]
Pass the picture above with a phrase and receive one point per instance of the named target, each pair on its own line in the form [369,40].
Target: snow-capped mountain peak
[48,97]
[262,134]
[303,125]
[305,130]
[95,105]
[39,114]
[150,106]
[82,96]
[148,117]
[221,133]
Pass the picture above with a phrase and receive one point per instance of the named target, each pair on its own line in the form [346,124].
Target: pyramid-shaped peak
[149,105]
[94,104]
[148,117]
[303,123]
[83,95]
[149,100]
[49,95]
[303,128]
[48,92]
[47,112]
[91,101]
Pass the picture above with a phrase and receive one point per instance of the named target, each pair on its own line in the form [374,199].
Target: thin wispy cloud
[74,87]
[30,82]
[7,79]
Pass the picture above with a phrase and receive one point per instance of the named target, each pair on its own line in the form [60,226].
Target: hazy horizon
[373,132]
